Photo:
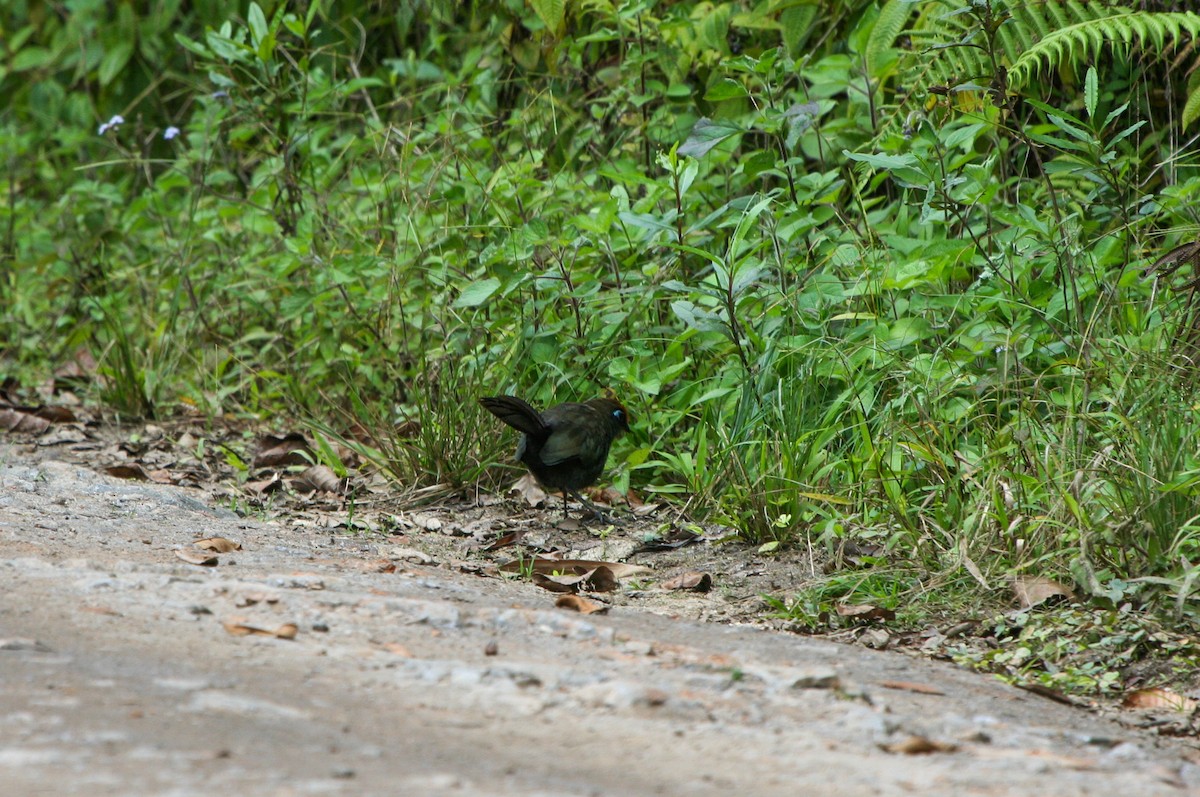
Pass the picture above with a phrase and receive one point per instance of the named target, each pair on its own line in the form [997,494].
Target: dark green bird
[565,447]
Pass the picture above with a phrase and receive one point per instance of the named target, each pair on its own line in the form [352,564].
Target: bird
[565,447]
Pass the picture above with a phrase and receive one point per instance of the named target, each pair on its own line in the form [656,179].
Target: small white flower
[170,132]
[112,124]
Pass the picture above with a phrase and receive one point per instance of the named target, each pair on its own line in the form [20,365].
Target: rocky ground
[319,660]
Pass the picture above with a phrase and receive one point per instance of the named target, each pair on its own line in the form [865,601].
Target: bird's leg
[596,511]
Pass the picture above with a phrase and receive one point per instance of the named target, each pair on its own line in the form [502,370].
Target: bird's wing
[573,435]
[565,443]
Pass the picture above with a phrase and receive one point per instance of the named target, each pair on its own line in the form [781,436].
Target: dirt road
[119,675]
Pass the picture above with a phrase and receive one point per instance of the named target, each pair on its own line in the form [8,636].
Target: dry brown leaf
[218,544]
[1032,590]
[18,420]
[193,558]
[527,488]
[579,604]
[569,566]
[1159,698]
[865,611]
[161,476]
[55,414]
[279,452]
[602,579]
[285,631]
[505,540]
[918,745]
[80,368]
[909,686]
[608,496]
[694,581]
[265,486]
[128,471]
[556,583]
[321,478]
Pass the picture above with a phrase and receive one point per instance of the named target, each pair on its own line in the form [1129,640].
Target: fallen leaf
[694,581]
[527,487]
[15,420]
[1158,698]
[602,579]
[193,558]
[55,414]
[264,486]
[556,583]
[576,566]
[580,604]
[81,368]
[218,544]
[128,471]
[285,631]
[320,478]
[1032,590]
[918,745]
[865,611]
[909,686]
[278,452]
[505,540]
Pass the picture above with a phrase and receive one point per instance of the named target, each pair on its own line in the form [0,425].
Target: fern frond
[1079,41]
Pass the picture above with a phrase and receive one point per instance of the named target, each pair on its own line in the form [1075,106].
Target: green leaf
[888,162]
[883,35]
[193,46]
[1191,111]
[726,90]
[31,58]
[551,13]
[1091,91]
[477,292]
[115,60]
[705,135]
[258,23]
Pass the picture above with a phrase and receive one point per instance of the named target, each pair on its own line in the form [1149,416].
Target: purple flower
[112,124]
[170,132]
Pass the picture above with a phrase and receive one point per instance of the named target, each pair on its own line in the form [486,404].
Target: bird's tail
[516,413]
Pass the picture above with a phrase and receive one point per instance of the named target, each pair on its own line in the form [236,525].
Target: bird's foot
[596,512]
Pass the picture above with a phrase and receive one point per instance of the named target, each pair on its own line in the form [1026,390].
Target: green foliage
[1081,651]
[830,320]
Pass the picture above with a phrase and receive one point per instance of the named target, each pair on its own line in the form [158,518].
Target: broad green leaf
[551,13]
[477,292]
[705,135]
[257,22]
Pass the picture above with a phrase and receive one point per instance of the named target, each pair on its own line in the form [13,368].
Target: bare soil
[367,650]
